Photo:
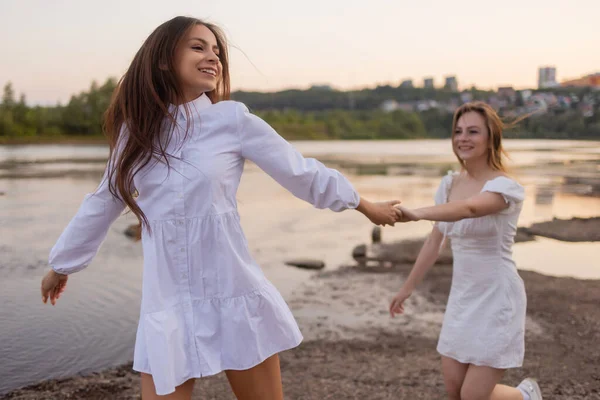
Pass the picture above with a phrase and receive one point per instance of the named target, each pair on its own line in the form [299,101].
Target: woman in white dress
[483,331]
[206,305]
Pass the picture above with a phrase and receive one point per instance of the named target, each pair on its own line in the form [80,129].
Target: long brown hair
[140,106]
[495,127]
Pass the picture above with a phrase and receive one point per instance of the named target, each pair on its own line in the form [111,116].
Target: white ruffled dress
[484,323]
[206,304]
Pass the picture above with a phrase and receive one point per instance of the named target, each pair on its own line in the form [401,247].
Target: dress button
[182,249]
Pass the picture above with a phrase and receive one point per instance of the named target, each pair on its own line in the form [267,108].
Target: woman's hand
[53,284]
[397,303]
[406,215]
[380,213]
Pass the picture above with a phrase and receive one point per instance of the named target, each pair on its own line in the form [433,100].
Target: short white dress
[206,304]
[484,322]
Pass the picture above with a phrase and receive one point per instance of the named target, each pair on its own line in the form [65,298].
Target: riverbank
[45,140]
[354,350]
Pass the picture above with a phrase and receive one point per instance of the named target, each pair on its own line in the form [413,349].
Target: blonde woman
[484,326]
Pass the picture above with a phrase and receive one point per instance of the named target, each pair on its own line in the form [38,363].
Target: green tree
[7,124]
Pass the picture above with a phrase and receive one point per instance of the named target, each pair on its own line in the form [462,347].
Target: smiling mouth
[209,71]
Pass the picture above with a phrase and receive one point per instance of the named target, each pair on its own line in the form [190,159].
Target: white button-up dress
[206,304]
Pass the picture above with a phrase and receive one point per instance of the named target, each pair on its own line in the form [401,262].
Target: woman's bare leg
[262,382]
[454,376]
[182,392]
[481,383]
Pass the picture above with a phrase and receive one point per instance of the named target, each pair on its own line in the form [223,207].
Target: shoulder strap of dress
[452,176]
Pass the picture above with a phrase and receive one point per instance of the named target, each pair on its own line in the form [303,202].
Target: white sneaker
[532,388]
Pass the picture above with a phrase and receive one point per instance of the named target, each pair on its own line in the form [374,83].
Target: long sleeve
[306,178]
[81,239]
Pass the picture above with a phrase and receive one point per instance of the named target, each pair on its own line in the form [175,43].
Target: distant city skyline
[52,50]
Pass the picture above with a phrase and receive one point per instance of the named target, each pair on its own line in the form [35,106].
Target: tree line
[315,113]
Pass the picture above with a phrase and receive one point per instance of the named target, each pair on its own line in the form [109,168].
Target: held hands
[405,215]
[380,213]
[53,284]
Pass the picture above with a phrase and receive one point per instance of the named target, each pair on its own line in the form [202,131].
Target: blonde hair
[495,127]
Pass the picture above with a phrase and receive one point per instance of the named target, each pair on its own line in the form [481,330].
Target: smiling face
[477,135]
[471,137]
[197,62]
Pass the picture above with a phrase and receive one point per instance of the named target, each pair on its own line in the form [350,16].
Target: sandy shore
[354,350]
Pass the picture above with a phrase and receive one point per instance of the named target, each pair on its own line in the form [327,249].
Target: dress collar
[200,103]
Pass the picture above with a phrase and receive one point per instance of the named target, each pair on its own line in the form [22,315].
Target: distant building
[466,97]
[541,102]
[407,84]
[495,102]
[425,105]
[392,105]
[428,83]
[592,80]
[525,94]
[564,102]
[451,83]
[507,93]
[547,77]
[389,105]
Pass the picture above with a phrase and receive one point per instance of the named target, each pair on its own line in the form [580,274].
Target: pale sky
[51,49]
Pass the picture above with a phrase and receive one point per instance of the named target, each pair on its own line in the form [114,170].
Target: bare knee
[453,384]
[453,395]
[454,377]
[453,390]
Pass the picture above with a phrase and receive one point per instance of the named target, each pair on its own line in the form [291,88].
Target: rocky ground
[354,350]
